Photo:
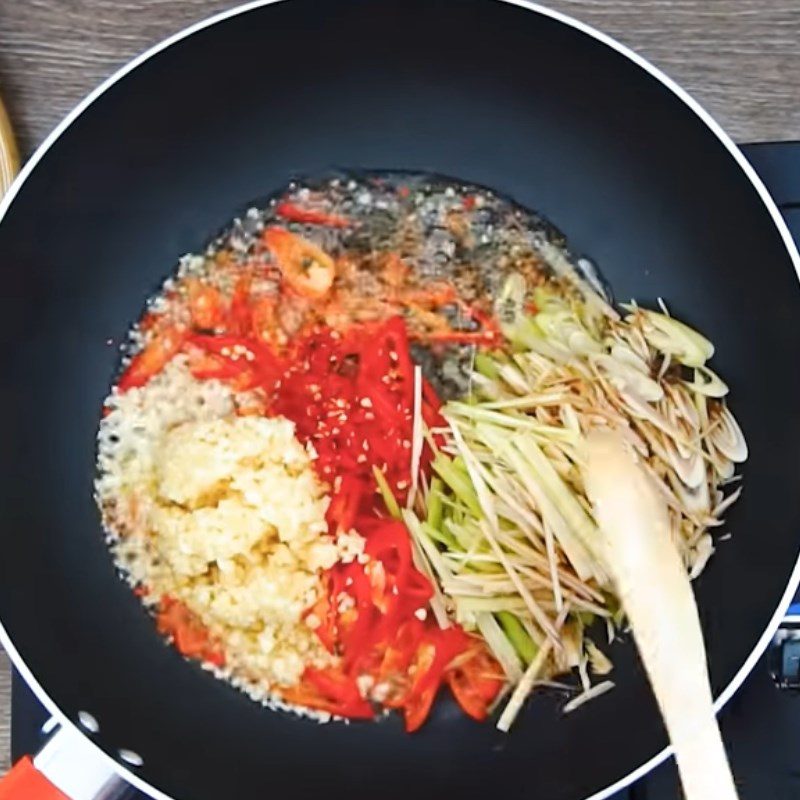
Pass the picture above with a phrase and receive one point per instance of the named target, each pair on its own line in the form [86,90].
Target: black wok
[495,93]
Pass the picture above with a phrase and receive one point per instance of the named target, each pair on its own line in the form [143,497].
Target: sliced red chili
[155,355]
[325,614]
[476,683]
[191,637]
[306,269]
[418,707]
[240,313]
[327,690]
[206,305]
[295,213]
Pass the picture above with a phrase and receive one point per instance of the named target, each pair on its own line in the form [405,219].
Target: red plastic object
[25,782]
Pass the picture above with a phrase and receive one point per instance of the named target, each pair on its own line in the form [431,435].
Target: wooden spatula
[658,600]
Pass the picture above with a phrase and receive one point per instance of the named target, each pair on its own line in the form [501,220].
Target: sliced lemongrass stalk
[623,376]
[458,482]
[485,497]
[725,504]
[728,437]
[598,660]
[551,556]
[434,505]
[525,685]
[668,335]
[527,401]
[501,648]
[708,383]
[589,694]
[423,561]
[386,492]
[522,642]
[542,620]
[416,437]
[703,551]
[505,420]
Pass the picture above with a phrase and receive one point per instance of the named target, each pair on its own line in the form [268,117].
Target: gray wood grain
[740,58]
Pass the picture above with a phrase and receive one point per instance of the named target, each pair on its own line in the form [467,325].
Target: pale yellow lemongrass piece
[525,686]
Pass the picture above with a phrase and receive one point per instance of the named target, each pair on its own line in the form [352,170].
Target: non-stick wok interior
[477,89]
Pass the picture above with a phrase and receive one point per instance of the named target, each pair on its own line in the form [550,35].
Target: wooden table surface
[740,58]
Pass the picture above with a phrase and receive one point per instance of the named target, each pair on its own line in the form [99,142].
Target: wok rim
[668,83]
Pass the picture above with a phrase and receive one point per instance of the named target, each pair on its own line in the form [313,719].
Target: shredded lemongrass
[512,540]
[416,437]
[535,609]
[389,499]
[501,647]
[587,695]
[525,685]
[437,602]
[551,555]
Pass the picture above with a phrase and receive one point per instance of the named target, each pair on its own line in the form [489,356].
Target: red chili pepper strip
[206,305]
[329,690]
[417,708]
[432,296]
[430,397]
[398,657]
[347,396]
[475,684]
[396,338]
[294,213]
[438,649]
[336,686]
[325,614]
[305,268]
[240,354]
[240,314]
[152,359]
[346,503]
[486,320]
[191,637]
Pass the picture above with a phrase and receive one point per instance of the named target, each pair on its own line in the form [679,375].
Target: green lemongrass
[523,688]
[523,644]
[486,365]
[458,481]
[501,603]
[440,535]
[574,548]
[501,647]
[389,499]
[428,561]
[435,506]
[508,420]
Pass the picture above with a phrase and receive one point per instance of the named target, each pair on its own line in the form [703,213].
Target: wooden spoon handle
[657,596]
[9,155]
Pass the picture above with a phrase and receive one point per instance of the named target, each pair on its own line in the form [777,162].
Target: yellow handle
[9,155]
